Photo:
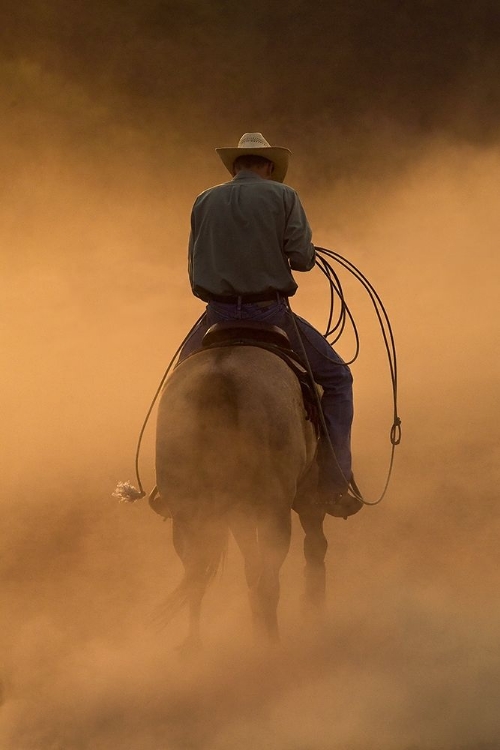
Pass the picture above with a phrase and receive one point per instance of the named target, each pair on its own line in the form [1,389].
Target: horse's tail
[203,545]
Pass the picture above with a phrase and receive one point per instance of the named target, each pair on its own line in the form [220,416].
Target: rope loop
[336,326]
[153,402]
[396,432]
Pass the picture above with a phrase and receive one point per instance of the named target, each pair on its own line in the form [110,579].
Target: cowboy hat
[256,144]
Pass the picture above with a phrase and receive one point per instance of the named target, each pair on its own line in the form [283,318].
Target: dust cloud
[109,121]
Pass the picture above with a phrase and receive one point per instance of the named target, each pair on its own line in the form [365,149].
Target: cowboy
[247,236]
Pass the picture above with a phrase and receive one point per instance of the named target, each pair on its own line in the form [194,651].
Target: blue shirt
[246,236]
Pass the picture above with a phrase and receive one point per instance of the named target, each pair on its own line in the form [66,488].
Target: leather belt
[247,298]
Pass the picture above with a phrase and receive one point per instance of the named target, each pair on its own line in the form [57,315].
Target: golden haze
[94,301]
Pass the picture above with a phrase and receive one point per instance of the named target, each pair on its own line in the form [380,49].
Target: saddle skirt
[273,339]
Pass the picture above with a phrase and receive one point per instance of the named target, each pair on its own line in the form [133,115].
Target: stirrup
[343,505]
[158,504]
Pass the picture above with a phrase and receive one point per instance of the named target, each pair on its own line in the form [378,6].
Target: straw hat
[255,143]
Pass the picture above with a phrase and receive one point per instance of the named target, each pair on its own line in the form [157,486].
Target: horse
[235,452]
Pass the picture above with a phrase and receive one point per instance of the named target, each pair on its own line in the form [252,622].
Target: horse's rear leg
[274,533]
[244,529]
[264,546]
[200,547]
[315,546]
[184,546]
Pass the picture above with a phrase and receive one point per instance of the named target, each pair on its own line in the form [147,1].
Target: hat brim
[278,155]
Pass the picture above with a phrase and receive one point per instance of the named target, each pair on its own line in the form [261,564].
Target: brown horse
[236,451]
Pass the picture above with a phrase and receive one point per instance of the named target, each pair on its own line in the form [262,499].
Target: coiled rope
[335,327]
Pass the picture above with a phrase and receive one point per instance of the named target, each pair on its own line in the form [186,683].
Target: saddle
[273,339]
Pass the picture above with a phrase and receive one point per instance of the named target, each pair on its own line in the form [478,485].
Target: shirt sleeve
[191,251]
[297,242]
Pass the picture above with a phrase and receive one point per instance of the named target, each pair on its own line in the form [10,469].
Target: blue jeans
[328,369]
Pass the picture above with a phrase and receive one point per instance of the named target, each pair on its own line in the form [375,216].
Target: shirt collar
[246,174]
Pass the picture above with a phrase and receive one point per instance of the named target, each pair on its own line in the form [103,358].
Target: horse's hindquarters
[231,427]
